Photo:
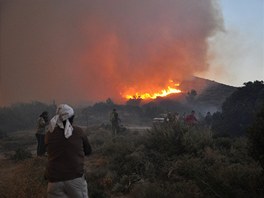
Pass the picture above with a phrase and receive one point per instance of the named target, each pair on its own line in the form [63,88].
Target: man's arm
[86,146]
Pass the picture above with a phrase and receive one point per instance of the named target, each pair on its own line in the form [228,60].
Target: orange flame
[162,93]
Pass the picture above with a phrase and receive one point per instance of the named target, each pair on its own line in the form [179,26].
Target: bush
[180,189]
[139,165]
[223,143]
[96,187]
[167,139]
[195,140]
[215,176]
[150,191]
[21,154]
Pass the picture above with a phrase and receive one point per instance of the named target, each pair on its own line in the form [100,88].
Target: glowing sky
[79,51]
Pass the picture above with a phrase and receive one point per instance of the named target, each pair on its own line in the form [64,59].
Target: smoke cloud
[78,51]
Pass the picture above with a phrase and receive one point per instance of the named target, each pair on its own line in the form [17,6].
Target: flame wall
[74,51]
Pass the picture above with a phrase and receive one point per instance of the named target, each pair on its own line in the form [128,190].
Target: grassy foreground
[165,162]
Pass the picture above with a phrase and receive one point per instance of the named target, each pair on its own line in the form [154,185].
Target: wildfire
[171,89]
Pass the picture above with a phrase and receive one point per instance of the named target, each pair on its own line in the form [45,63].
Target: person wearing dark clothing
[208,119]
[67,145]
[114,119]
[42,124]
[169,118]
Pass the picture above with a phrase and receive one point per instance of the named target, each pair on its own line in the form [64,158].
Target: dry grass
[24,179]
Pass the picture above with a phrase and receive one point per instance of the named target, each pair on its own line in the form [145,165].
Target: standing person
[183,117]
[114,119]
[67,145]
[208,119]
[176,117]
[42,124]
[169,118]
[191,119]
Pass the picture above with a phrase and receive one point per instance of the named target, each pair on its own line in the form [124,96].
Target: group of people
[66,146]
[190,119]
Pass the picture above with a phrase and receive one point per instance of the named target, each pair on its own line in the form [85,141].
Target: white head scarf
[63,113]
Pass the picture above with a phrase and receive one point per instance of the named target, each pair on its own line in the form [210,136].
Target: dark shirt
[208,119]
[114,118]
[66,156]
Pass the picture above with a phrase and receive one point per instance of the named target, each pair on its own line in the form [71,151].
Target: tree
[109,102]
[240,109]
[256,138]
[134,102]
[22,116]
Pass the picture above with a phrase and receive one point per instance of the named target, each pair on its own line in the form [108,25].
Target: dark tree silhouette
[240,109]
[256,138]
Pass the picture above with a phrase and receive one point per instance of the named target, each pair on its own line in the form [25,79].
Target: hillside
[214,94]
[210,95]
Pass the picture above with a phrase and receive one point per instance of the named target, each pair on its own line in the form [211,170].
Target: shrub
[96,188]
[21,154]
[126,183]
[167,139]
[223,143]
[150,191]
[180,189]
[195,140]
[236,180]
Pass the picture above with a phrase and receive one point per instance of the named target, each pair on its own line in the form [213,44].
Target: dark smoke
[76,51]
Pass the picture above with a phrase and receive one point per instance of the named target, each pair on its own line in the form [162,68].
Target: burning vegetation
[116,46]
[172,88]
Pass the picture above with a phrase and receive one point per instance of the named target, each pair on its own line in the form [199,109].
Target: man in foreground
[67,146]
